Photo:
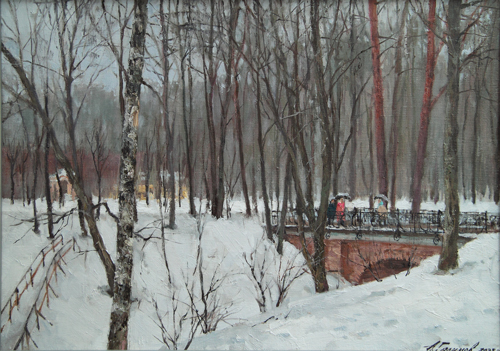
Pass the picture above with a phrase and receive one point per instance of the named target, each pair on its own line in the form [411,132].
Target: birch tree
[120,310]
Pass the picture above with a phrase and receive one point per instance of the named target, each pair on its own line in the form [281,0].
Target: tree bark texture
[35,165]
[210,76]
[425,113]
[284,205]
[48,199]
[118,331]
[478,80]
[12,155]
[449,255]
[355,108]
[397,96]
[497,188]
[239,135]
[260,137]
[379,99]
[184,53]
[319,271]
[169,132]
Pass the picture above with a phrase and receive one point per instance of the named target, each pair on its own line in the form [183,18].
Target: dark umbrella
[381,196]
[342,195]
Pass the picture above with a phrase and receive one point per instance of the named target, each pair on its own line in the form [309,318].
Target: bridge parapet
[402,221]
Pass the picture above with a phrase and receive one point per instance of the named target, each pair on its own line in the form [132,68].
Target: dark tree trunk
[449,255]
[318,264]
[147,164]
[464,165]
[477,92]
[61,190]
[146,184]
[239,135]
[36,163]
[224,115]
[187,120]
[24,159]
[48,199]
[277,165]
[169,132]
[210,76]
[254,191]
[354,116]
[12,156]
[284,205]
[191,172]
[397,96]
[496,195]
[260,138]
[425,114]
[81,217]
[379,99]
[118,331]
[369,124]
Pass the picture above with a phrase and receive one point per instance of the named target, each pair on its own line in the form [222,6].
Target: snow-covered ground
[406,312]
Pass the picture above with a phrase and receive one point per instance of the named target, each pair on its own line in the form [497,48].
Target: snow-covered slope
[403,313]
[406,312]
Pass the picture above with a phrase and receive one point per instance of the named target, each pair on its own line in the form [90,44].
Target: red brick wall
[360,261]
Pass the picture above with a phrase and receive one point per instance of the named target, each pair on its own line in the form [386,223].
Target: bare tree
[32,97]
[35,157]
[97,144]
[147,163]
[185,48]
[318,264]
[204,291]
[259,264]
[48,199]
[12,150]
[397,98]
[260,137]
[497,187]
[164,51]
[25,154]
[118,330]
[289,270]
[284,205]
[115,17]
[426,109]
[449,255]
[71,39]
[237,115]
[379,99]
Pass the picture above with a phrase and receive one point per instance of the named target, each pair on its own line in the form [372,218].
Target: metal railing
[362,220]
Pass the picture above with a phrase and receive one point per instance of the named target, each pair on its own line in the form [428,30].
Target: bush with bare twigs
[194,307]
[270,272]
[23,310]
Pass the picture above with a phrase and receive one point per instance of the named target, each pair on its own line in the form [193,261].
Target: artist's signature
[447,346]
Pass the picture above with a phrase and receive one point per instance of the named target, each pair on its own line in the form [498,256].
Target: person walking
[340,211]
[330,212]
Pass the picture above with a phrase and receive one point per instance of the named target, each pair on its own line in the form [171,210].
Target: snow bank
[402,313]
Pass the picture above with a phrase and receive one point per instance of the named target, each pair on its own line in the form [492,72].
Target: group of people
[337,208]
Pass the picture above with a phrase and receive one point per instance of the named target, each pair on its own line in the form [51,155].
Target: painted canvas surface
[250,175]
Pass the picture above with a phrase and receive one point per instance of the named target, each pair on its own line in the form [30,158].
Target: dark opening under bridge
[363,245]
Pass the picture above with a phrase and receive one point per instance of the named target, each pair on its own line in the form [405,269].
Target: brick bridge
[361,261]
